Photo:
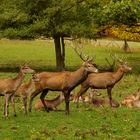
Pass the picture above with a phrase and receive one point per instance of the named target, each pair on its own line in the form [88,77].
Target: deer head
[35,78]
[89,67]
[123,63]
[26,69]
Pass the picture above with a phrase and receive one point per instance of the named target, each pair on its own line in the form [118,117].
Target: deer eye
[89,65]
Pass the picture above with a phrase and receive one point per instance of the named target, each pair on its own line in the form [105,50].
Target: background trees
[64,18]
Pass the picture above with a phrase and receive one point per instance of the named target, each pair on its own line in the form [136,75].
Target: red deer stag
[25,89]
[64,81]
[105,80]
[8,87]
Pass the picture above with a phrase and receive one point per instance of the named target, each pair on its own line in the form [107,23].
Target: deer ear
[83,63]
[90,61]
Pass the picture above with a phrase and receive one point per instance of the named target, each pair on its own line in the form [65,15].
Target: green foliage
[126,32]
[80,18]
[122,12]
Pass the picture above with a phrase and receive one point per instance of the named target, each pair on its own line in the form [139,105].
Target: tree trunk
[63,52]
[125,46]
[60,52]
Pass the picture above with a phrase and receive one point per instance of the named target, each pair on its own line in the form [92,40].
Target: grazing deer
[130,99]
[8,87]
[25,89]
[64,81]
[106,80]
[51,104]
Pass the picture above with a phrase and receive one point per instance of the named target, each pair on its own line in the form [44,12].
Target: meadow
[83,123]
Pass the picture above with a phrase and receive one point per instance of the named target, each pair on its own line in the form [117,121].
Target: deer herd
[87,76]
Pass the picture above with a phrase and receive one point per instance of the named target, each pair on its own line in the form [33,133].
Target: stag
[64,81]
[8,87]
[25,89]
[105,80]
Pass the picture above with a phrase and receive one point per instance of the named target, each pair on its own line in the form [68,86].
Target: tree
[125,33]
[50,18]
[26,19]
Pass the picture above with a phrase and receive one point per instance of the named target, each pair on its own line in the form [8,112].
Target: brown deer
[51,104]
[8,87]
[74,97]
[136,103]
[98,101]
[129,100]
[64,81]
[25,89]
[105,80]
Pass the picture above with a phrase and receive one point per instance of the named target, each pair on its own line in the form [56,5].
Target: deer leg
[33,95]
[13,104]
[25,104]
[44,93]
[109,95]
[80,93]
[67,96]
[6,104]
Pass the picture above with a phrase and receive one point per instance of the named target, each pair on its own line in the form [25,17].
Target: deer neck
[18,80]
[119,74]
[31,84]
[78,76]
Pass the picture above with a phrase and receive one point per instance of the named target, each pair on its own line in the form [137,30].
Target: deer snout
[130,69]
[96,70]
[35,78]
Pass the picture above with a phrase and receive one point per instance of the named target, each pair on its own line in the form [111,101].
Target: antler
[121,60]
[80,54]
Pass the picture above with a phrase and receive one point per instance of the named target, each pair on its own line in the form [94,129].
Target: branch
[74,4]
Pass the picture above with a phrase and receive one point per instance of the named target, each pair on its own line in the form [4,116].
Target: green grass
[41,54]
[83,123]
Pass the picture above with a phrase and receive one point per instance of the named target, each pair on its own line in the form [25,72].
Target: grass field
[83,123]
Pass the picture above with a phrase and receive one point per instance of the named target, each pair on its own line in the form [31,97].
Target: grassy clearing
[41,54]
[83,123]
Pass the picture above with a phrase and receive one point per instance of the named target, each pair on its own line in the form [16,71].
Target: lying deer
[98,101]
[106,80]
[136,103]
[130,99]
[8,87]
[51,104]
[64,81]
[74,97]
[25,89]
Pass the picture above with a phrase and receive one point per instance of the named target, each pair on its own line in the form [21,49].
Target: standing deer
[106,80]
[8,87]
[64,81]
[25,89]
